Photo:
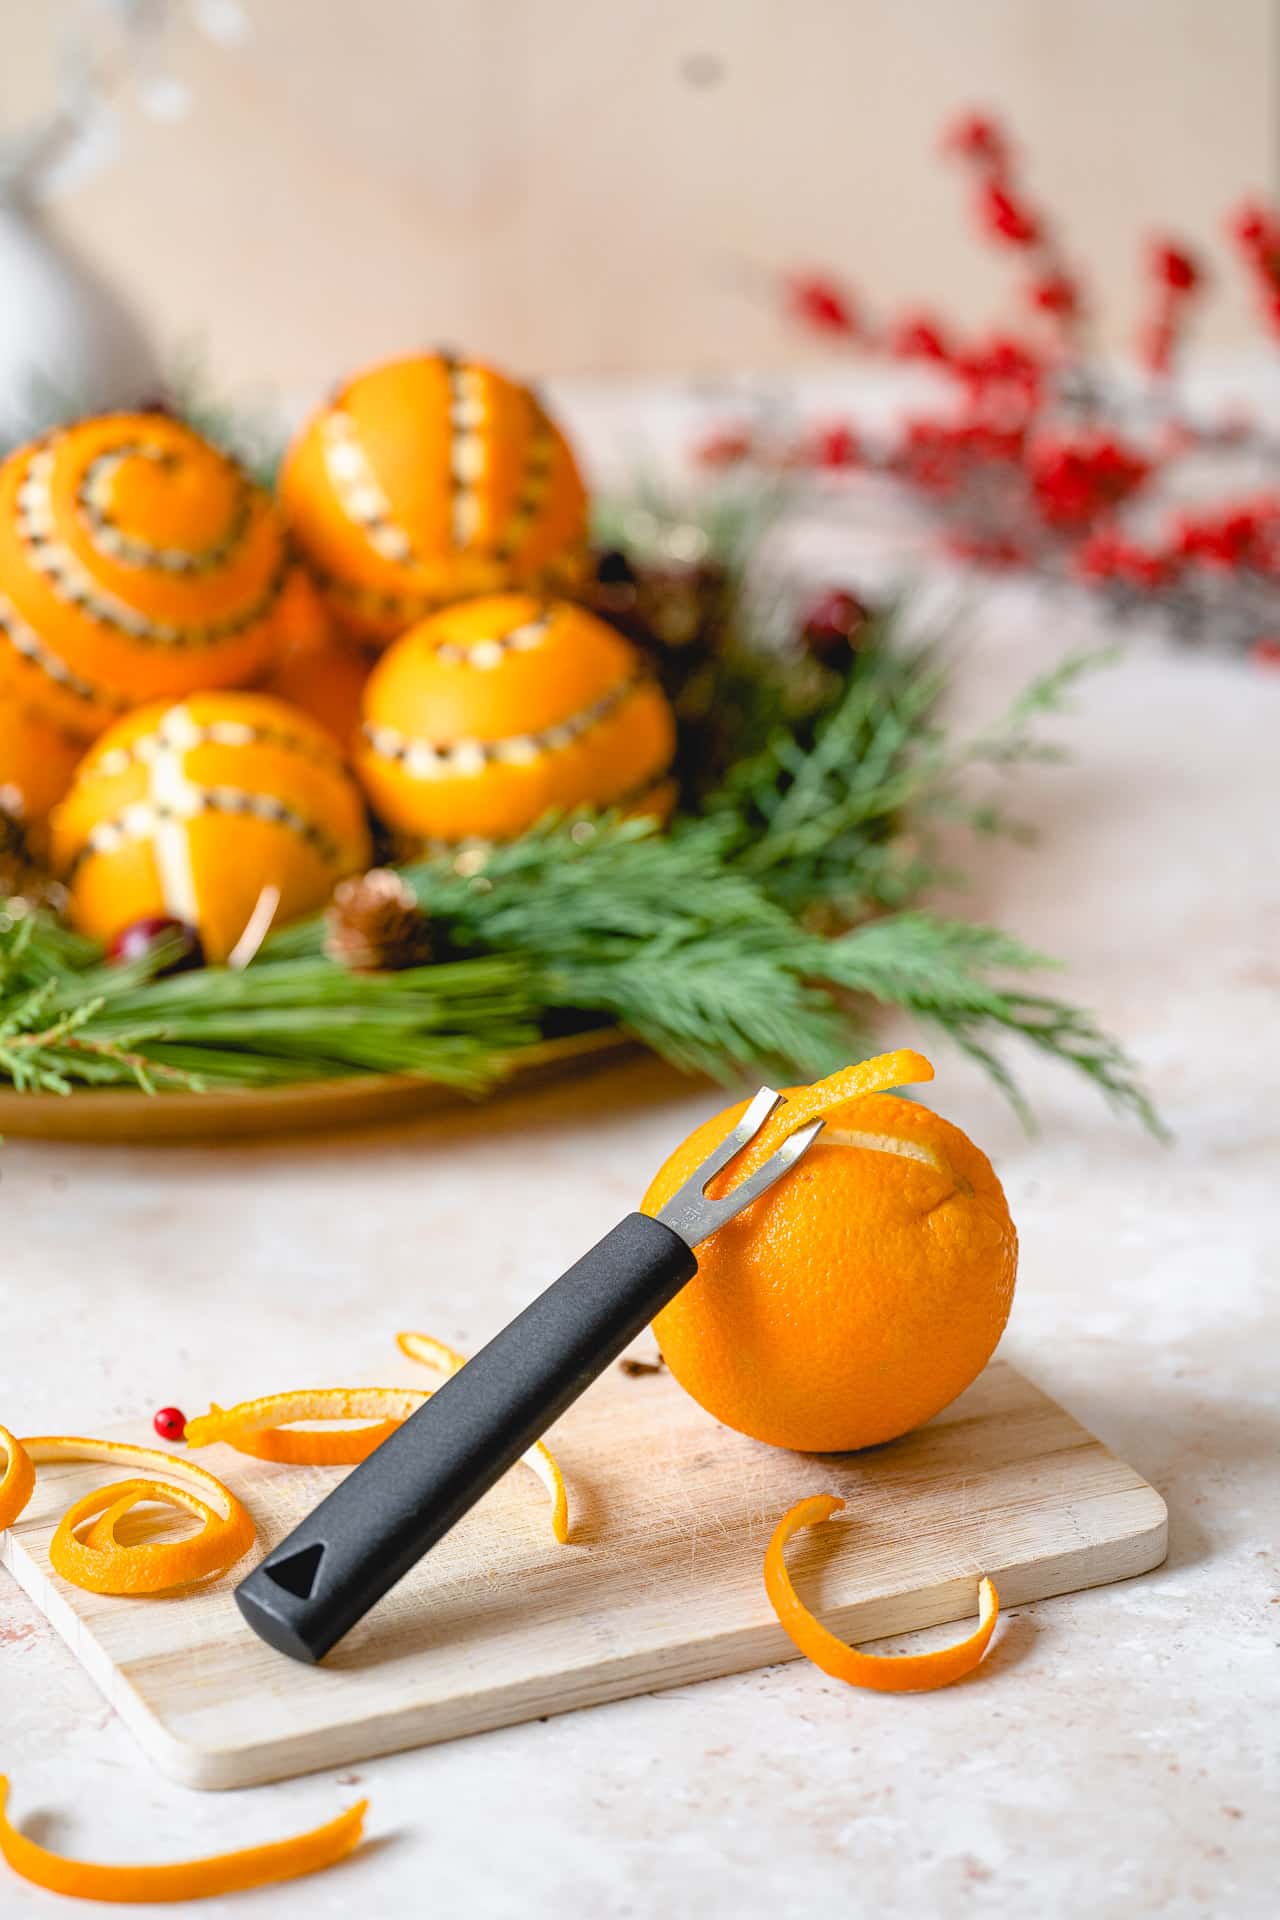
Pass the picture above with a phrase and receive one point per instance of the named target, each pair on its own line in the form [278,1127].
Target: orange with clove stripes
[498,711]
[316,667]
[428,480]
[136,563]
[865,1290]
[192,809]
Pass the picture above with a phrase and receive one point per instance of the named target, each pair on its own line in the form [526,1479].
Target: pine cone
[375,925]
[23,876]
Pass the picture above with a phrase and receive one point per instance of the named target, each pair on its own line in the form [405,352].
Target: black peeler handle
[386,1514]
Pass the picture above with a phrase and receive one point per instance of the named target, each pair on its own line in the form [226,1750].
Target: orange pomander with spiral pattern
[498,711]
[191,810]
[136,563]
[427,481]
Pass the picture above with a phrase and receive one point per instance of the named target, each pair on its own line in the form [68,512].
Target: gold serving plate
[122,1114]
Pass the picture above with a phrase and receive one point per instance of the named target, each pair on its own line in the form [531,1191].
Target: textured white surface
[1118,1752]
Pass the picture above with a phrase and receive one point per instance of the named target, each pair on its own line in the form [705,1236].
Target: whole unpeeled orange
[863,1291]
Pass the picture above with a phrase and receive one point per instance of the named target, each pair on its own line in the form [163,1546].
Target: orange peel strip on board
[18,1482]
[182,1879]
[884,1673]
[447,1360]
[261,1427]
[99,1562]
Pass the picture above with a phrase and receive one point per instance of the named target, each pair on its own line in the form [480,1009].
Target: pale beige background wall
[575,185]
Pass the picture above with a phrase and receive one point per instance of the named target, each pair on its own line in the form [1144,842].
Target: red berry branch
[1176,280]
[1028,457]
[1007,214]
[1256,231]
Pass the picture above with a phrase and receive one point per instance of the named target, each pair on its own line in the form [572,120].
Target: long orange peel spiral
[883,1673]
[262,1427]
[182,1879]
[446,1360]
[99,1562]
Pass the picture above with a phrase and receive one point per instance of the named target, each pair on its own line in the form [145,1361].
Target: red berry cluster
[1077,479]
[1256,231]
[1008,216]
[1243,534]
[1035,454]
[1242,537]
[1176,278]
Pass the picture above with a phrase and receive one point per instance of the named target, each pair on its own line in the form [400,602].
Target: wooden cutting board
[660,1584]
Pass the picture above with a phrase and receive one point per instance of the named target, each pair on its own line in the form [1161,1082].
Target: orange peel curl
[18,1482]
[883,1673]
[182,1879]
[98,1561]
[261,1427]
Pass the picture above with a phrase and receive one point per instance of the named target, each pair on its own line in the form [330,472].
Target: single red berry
[836,446]
[1266,652]
[1174,267]
[170,1423]
[1006,217]
[831,625]
[1056,293]
[1250,224]
[820,303]
[917,336]
[975,136]
[139,940]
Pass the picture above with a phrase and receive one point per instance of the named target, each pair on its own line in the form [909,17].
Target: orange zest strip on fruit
[802,1104]
[883,1673]
[99,1562]
[904,1068]
[18,1482]
[182,1879]
[261,1427]
[447,1360]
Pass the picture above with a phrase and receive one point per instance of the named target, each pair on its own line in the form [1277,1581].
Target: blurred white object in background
[69,340]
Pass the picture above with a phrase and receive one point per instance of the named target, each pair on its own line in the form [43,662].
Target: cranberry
[832,624]
[171,1423]
[140,938]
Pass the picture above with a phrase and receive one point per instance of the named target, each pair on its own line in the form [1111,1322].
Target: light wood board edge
[1141,1546]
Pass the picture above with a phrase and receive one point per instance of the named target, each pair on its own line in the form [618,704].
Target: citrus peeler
[377,1524]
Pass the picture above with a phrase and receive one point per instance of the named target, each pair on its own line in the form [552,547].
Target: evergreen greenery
[711,942]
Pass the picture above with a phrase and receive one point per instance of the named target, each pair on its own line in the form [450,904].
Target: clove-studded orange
[136,563]
[316,667]
[37,760]
[497,711]
[864,1291]
[192,809]
[426,481]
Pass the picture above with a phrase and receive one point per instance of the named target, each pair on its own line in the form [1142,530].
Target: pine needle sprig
[956,976]
[66,1019]
[668,936]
